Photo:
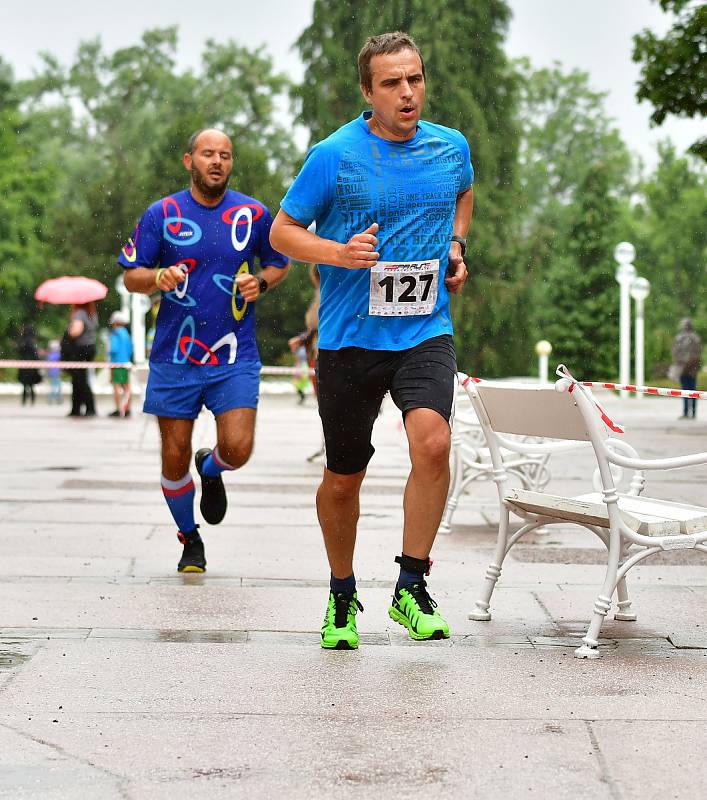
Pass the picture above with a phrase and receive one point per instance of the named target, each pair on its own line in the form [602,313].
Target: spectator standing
[121,352]
[54,373]
[687,357]
[26,344]
[79,344]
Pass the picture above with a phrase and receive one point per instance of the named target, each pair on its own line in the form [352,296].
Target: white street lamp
[624,253]
[543,349]
[640,289]
[124,295]
[140,304]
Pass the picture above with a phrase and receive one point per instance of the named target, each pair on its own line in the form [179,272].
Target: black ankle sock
[412,570]
[343,585]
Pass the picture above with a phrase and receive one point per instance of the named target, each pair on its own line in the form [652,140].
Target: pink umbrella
[70,289]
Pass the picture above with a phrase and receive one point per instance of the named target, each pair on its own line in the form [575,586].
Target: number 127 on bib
[403,289]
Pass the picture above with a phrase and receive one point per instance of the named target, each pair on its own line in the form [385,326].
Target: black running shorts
[353,382]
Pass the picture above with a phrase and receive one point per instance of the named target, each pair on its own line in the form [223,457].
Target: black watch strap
[462,241]
[262,284]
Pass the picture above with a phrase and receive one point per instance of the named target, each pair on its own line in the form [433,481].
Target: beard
[211,191]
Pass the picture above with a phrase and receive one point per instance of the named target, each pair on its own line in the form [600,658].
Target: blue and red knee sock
[214,465]
[179,496]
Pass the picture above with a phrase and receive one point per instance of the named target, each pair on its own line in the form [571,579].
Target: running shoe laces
[421,596]
[342,602]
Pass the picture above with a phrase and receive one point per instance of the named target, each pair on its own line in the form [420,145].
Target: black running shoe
[213,503]
[193,558]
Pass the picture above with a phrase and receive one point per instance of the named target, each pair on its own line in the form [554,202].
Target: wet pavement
[120,678]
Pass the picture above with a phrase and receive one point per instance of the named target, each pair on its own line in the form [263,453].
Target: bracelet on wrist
[158,275]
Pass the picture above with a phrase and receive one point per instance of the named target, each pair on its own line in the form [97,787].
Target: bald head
[209,159]
[194,138]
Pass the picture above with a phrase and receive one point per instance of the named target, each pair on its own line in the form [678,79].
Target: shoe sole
[209,486]
[401,619]
[342,644]
[192,568]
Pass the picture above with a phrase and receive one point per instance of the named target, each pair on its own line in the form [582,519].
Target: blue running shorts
[179,391]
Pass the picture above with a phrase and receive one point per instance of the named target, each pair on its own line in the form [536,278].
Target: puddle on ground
[9,659]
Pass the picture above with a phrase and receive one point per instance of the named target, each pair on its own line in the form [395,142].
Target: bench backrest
[532,411]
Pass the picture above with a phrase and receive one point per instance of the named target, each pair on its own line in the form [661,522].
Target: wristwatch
[462,242]
[262,284]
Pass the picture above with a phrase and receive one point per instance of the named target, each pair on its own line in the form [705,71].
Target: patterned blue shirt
[203,320]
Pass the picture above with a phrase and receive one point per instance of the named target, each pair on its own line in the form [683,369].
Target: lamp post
[124,295]
[140,305]
[543,349]
[640,289]
[624,253]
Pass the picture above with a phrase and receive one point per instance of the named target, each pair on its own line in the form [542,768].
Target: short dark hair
[191,144]
[383,44]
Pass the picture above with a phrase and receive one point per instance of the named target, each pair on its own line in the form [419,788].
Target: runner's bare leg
[429,441]
[338,509]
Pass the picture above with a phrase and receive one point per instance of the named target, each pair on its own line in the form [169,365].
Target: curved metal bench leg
[455,482]
[602,604]
[624,614]
[481,612]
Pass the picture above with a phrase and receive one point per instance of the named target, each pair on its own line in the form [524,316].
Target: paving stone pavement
[120,678]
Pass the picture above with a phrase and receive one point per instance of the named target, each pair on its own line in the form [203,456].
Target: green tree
[674,68]
[566,135]
[671,244]
[118,124]
[471,87]
[26,193]
[579,313]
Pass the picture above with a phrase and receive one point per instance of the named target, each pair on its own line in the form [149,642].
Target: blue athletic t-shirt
[353,179]
[203,321]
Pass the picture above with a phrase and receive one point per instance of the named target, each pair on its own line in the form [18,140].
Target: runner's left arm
[457,272]
[249,285]
[274,265]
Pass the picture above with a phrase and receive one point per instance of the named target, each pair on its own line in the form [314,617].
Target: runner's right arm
[146,279]
[294,239]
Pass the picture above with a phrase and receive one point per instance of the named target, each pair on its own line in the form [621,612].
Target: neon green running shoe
[417,611]
[339,626]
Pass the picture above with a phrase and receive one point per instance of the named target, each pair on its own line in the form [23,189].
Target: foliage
[579,313]
[674,68]
[117,124]
[566,140]
[26,191]
[671,240]
[84,148]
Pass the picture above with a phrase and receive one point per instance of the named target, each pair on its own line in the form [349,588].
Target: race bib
[403,289]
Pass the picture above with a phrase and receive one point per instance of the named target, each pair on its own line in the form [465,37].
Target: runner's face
[397,95]
[210,164]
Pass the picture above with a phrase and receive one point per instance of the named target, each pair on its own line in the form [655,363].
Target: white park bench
[470,460]
[632,527]
[471,463]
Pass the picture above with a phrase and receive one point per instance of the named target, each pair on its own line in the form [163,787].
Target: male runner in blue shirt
[391,196]
[198,247]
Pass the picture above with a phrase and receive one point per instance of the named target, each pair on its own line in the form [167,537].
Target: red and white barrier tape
[563,372]
[286,371]
[656,390]
[10,364]
[16,364]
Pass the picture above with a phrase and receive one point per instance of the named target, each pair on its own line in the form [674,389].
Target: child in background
[301,376]
[54,373]
[121,352]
